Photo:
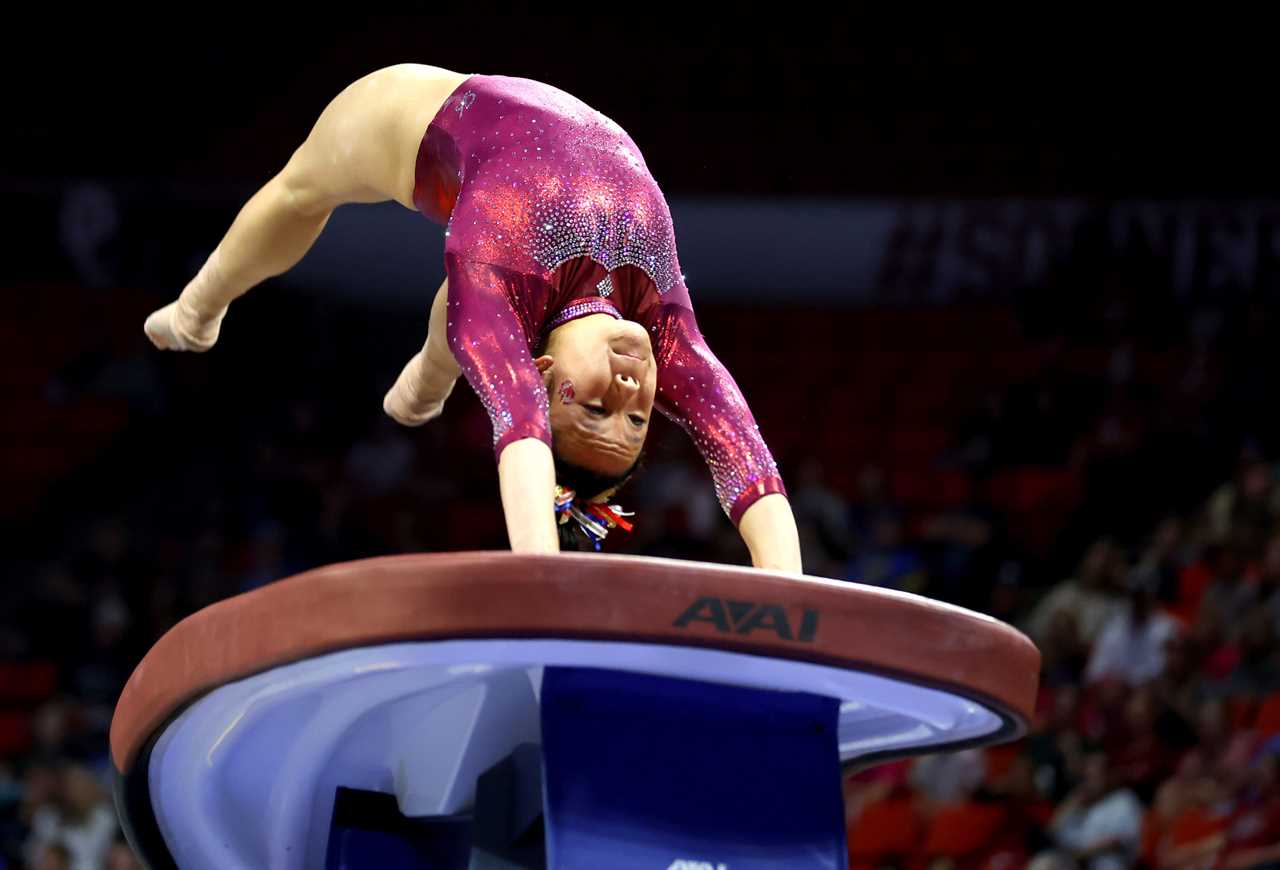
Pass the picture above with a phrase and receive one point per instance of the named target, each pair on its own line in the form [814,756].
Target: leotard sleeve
[697,392]
[489,338]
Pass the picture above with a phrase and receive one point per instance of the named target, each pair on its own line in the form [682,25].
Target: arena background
[1001,296]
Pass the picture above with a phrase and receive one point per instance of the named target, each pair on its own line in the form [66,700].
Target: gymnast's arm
[698,393]
[769,529]
[527,485]
[491,348]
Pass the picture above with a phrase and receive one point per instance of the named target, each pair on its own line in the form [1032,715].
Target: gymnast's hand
[177,327]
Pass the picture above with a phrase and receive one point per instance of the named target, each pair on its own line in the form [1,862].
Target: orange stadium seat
[962,829]
[885,829]
[1267,722]
[27,682]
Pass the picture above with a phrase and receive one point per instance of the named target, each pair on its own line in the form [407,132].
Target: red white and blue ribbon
[594,518]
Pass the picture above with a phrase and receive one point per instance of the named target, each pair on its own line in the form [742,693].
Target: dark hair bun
[588,485]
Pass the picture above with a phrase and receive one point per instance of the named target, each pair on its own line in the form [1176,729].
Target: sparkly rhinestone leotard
[548,202]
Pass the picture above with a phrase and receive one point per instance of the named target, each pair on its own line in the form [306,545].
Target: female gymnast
[563,304]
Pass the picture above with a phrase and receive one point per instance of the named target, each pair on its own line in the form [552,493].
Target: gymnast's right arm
[491,348]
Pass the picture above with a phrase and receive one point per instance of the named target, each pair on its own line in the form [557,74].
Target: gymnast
[563,303]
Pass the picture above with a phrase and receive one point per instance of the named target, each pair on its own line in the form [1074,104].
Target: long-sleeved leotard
[546,201]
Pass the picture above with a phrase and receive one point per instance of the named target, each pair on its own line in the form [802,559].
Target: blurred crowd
[1155,598]
[1158,730]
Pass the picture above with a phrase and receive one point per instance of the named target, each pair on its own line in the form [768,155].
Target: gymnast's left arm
[697,392]
[769,529]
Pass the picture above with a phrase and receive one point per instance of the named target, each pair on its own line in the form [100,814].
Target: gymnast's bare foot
[418,395]
[176,327]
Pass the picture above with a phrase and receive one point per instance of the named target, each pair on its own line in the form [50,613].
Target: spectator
[81,820]
[1054,748]
[1052,861]
[1256,657]
[1063,653]
[1091,597]
[99,680]
[1250,502]
[121,857]
[1180,686]
[887,560]
[964,552]
[1231,593]
[54,856]
[1140,755]
[1228,753]
[948,777]
[1161,563]
[1181,830]
[1131,647]
[1098,824]
[1254,836]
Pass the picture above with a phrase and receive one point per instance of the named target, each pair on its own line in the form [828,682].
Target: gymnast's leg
[419,393]
[269,235]
[354,153]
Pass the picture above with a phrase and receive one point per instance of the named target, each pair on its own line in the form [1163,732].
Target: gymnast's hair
[589,486]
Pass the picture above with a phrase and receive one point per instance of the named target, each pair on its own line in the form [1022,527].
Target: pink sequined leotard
[546,201]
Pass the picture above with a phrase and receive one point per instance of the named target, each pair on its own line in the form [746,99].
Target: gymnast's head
[601,378]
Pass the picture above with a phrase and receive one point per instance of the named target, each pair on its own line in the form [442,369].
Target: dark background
[1055,452]
[832,103]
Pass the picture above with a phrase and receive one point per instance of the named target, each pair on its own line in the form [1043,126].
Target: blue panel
[648,772]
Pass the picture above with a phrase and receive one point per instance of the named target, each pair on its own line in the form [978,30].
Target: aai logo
[745,617]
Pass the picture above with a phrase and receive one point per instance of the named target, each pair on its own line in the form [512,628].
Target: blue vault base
[636,771]
[514,750]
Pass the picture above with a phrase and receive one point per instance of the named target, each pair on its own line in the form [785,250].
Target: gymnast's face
[601,378]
